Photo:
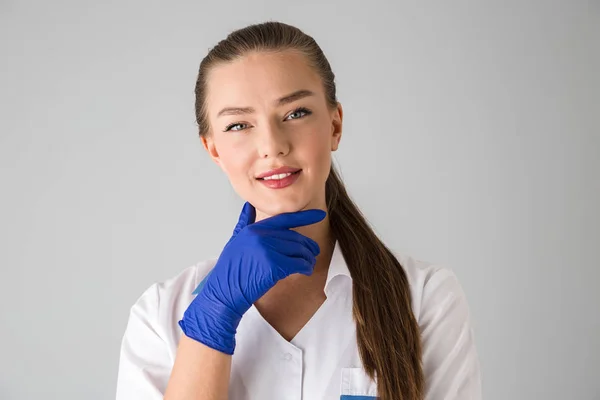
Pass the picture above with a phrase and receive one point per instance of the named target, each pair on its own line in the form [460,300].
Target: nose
[273,141]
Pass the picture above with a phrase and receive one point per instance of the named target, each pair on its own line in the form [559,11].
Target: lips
[278,171]
[280,181]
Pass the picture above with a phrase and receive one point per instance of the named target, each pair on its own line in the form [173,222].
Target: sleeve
[450,360]
[145,364]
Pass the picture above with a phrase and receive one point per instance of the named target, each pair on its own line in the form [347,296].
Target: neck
[320,233]
[300,287]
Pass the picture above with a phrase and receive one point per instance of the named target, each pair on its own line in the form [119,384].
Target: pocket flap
[357,385]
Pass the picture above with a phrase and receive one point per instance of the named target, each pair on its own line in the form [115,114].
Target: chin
[275,209]
[271,208]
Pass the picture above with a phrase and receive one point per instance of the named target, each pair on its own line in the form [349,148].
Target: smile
[279,181]
[277,176]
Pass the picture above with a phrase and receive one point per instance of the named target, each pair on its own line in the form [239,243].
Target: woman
[304,302]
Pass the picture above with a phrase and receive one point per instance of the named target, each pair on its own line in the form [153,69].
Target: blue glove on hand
[256,257]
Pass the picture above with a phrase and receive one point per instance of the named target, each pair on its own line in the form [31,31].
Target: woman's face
[266,111]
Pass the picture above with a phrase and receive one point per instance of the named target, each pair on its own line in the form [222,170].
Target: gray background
[471,138]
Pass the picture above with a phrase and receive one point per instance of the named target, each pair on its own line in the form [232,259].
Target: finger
[291,249]
[301,266]
[247,217]
[292,265]
[294,236]
[294,219]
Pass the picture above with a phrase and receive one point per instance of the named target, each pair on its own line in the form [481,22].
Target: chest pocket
[357,385]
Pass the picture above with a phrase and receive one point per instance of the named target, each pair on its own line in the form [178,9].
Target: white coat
[322,360]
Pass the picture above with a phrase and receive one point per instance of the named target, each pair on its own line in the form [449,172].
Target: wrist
[209,321]
[224,344]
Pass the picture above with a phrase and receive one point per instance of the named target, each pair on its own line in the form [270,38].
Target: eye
[296,114]
[299,113]
[235,127]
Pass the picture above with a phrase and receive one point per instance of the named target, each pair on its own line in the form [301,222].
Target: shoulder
[450,361]
[179,288]
[152,334]
[163,303]
[431,285]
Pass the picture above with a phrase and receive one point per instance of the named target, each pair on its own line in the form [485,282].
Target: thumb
[247,217]
[294,219]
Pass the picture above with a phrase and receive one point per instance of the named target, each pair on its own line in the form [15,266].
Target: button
[287,356]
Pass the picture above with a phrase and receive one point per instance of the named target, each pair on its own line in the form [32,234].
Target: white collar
[337,266]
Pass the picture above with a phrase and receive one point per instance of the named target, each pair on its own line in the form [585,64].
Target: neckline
[296,341]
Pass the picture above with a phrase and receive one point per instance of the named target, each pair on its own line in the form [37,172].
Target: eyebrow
[290,98]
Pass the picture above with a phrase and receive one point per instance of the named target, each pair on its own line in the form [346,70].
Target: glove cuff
[212,324]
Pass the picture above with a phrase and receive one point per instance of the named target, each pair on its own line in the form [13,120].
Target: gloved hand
[256,257]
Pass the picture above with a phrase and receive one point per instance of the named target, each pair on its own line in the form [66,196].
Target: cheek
[317,153]
[235,160]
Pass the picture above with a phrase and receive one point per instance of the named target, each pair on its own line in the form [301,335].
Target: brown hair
[387,332]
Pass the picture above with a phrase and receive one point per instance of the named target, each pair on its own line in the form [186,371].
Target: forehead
[258,78]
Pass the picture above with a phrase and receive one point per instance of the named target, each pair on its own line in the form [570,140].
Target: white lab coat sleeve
[450,361]
[145,363]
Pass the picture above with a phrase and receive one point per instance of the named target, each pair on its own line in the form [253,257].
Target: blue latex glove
[257,256]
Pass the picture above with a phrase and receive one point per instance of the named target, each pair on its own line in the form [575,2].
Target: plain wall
[471,139]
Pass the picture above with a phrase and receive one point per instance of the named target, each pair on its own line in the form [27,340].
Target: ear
[211,149]
[336,126]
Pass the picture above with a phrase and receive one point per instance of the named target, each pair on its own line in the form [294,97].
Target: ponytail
[387,332]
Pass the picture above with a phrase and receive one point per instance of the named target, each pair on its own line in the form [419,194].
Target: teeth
[276,176]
